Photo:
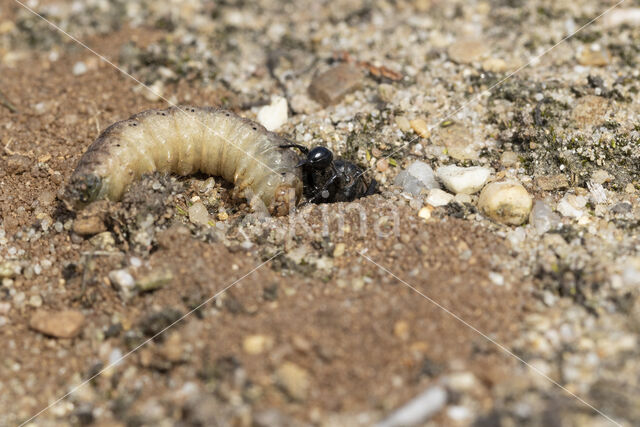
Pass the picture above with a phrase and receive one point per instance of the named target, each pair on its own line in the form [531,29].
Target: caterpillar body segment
[185,140]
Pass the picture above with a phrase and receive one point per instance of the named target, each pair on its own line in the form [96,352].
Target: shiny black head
[319,158]
[327,181]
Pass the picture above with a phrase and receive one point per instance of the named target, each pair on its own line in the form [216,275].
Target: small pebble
[496,278]
[506,202]
[416,177]
[495,65]
[274,115]
[9,269]
[88,225]
[543,218]
[331,86]
[122,281]
[386,92]
[458,413]
[79,68]
[572,206]
[425,212]
[461,381]
[417,410]
[597,58]
[421,128]
[382,165]
[198,214]
[463,180]
[156,279]
[339,250]
[257,344]
[620,16]
[35,301]
[294,380]
[437,197]
[59,324]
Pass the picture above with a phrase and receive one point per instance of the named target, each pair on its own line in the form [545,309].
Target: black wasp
[326,180]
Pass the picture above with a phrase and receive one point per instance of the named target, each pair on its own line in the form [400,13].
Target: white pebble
[274,115]
[458,413]
[418,410]
[79,68]
[571,205]
[122,280]
[463,180]
[496,278]
[615,18]
[506,202]
[461,381]
[437,197]
[115,357]
[35,301]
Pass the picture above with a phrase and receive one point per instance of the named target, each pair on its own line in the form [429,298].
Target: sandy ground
[310,331]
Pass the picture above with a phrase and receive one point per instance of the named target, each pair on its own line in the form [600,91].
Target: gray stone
[543,218]
[417,177]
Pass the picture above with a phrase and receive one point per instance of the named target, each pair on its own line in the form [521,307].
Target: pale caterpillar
[185,140]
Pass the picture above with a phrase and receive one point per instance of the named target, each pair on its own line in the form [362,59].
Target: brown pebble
[59,324]
[88,226]
[421,128]
[596,58]
[92,219]
[382,165]
[331,86]
[294,380]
